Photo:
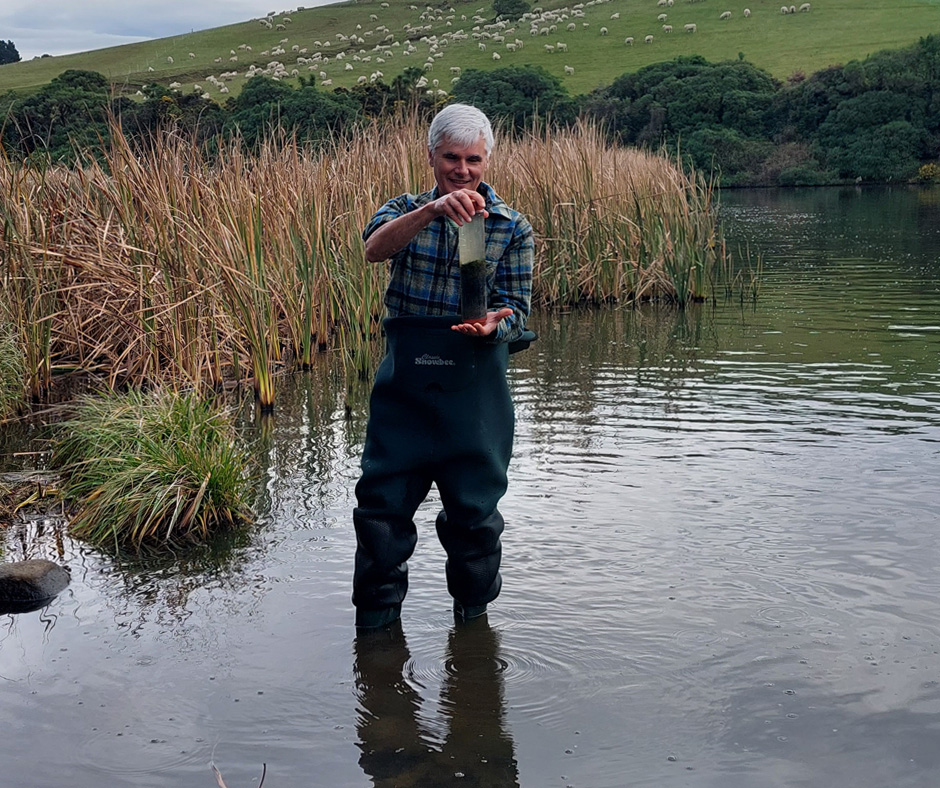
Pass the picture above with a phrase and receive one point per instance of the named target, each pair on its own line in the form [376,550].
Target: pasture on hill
[581,43]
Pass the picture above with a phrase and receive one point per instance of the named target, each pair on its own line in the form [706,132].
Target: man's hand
[485,328]
[460,205]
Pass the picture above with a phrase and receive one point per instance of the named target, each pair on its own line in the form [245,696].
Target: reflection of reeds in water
[152,467]
[166,265]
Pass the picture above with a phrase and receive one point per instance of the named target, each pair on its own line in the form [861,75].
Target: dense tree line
[874,120]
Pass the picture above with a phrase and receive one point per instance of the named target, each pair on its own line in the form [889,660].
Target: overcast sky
[59,27]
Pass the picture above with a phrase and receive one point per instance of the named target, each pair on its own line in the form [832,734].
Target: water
[719,564]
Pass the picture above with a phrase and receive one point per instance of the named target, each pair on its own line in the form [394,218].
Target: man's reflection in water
[477,750]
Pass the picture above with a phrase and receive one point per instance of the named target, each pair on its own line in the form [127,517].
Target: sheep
[648,39]
[661,3]
[604,31]
[217,60]
[549,48]
[661,18]
[482,46]
[784,10]
[747,12]
[561,46]
[615,16]
[804,7]
[326,82]
[690,28]
[569,70]
[725,15]
[792,9]
[667,28]
[149,68]
[628,41]
[170,59]
[669,3]
[496,56]
[571,27]
[174,85]
[192,55]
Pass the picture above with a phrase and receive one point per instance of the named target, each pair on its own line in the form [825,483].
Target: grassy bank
[165,267]
[405,34]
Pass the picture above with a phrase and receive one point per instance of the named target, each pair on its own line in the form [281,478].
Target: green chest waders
[440,412]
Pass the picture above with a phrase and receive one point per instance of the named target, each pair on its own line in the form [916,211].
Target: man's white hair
[461,124]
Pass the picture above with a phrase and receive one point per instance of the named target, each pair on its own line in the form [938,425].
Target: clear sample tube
[471,250]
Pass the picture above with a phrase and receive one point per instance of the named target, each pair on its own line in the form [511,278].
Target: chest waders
[440,412]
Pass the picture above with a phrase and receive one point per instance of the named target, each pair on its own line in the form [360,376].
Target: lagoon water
[720,564]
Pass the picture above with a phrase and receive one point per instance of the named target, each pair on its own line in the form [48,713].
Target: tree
[519,94]
[8,53]
[510,9]
[69,113]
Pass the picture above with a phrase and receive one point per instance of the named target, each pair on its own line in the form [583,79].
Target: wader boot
[440,412]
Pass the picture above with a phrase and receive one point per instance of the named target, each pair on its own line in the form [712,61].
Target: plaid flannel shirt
[424,277]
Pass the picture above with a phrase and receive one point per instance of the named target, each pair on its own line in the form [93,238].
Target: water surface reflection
[470,744]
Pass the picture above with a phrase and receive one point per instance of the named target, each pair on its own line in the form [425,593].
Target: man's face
[458,167]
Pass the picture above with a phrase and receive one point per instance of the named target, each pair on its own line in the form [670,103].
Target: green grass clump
[151,468]
[12,371]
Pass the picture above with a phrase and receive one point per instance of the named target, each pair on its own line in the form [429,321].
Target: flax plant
[152,468]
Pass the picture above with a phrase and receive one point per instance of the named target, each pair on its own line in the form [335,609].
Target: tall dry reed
[165,265]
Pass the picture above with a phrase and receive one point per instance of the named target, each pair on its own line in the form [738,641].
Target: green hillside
[357,40]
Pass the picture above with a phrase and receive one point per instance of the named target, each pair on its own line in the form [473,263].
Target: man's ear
[430,157]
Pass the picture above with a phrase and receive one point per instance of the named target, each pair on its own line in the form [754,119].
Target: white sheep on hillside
[496,56]
[725,15]
[628,41]
[648,39]
[690,28]
[615,16]
[569,70]
[169,60]
[784,10]
[804,7]
[667,28]
[550,48]
[561,46]
[604,31]
[747,12]
[192,55]
[571,27]
[792,9]
[661,18]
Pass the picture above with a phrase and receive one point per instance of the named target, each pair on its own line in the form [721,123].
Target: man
[440,410]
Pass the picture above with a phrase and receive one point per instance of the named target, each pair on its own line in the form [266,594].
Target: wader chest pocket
[437,359]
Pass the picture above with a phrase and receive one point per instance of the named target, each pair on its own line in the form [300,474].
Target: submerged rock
[29,585]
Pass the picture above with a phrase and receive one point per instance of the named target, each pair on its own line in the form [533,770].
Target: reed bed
[12,370]
[167,266]
[152,468]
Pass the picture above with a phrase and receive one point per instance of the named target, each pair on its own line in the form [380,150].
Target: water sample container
[471,250]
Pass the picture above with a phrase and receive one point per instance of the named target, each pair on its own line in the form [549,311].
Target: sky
[60,27]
